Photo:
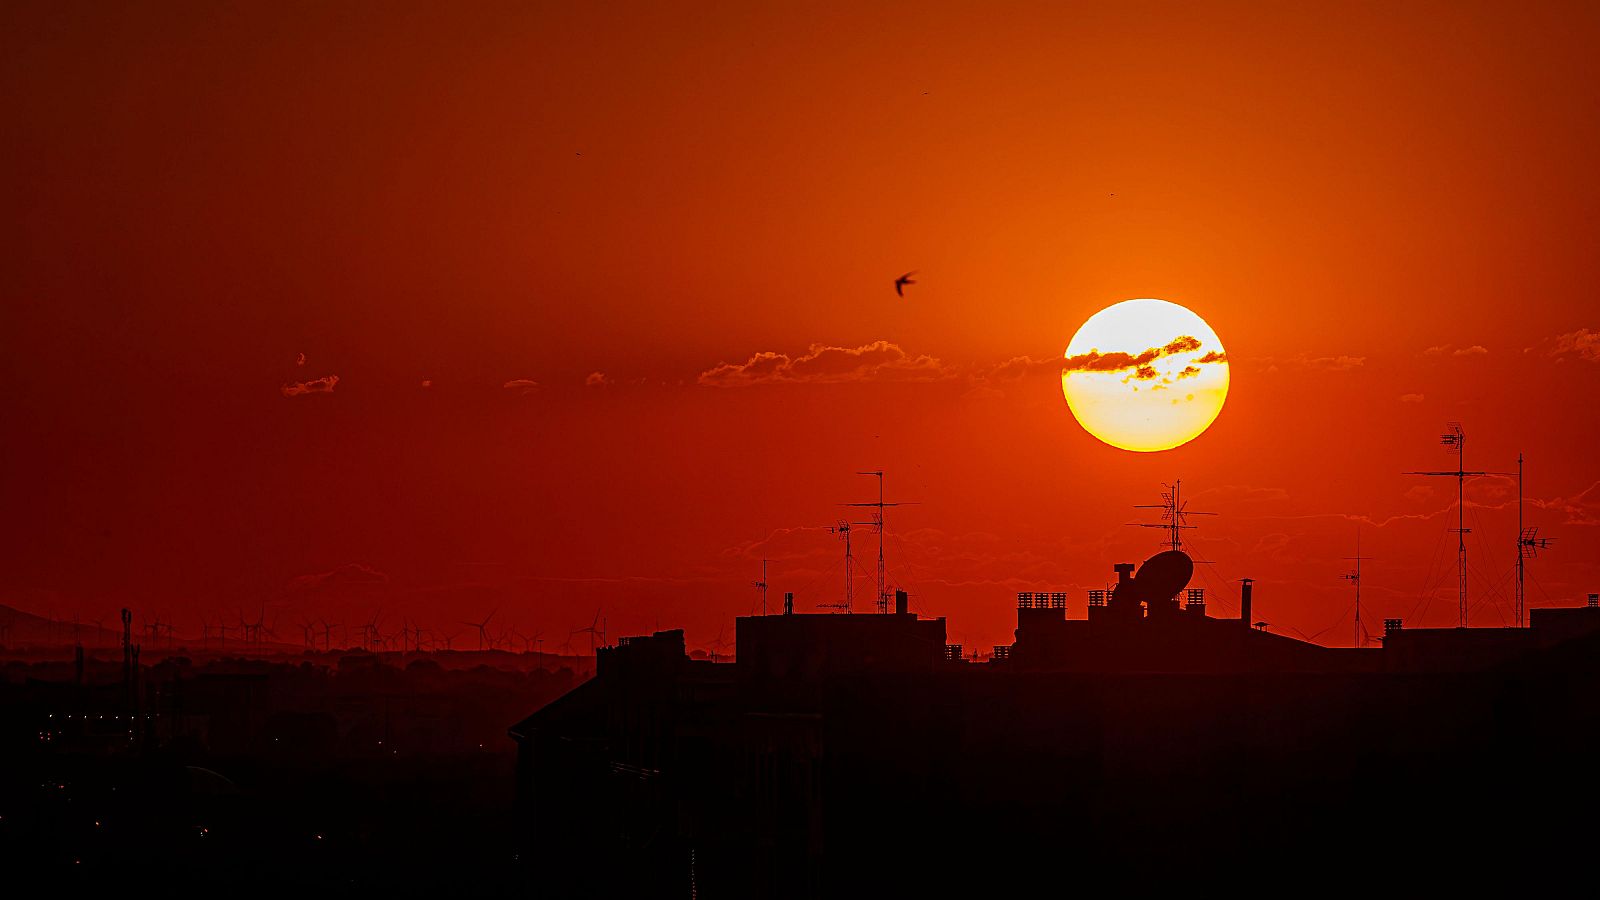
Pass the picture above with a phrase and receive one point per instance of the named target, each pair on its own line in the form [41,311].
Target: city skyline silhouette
[577,399]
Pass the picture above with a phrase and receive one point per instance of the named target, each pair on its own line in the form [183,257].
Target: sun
[1145,375]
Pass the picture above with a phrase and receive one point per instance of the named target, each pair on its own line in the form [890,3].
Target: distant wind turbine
[595,629]
[483,630]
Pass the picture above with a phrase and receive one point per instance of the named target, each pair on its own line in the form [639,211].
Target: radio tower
[1354,577]
[1528,546]
[1174,514]
[762,586]
[878,507]
[1456,440]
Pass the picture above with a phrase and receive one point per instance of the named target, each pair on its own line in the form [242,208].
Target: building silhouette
[1146,745]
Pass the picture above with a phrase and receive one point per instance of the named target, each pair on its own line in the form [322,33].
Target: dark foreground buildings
[1147,747]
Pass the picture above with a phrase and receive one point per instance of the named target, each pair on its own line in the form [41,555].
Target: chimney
[1245,584]
[1124,573]
[788,603]
[901,603]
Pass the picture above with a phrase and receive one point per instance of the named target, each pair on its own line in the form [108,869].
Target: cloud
[323,385]
[887,361]
[1318,363]
[1583,342]
[522,385]
[983,392]
[1243,493]
[300,360]
[1019,366]
[597,379]
[1270,544]
[1336,363]
[1117,361]
[825,364]
[1442,349]
[789,543]
[1095,361]
[1583,508]
[1411,398]
[347,574]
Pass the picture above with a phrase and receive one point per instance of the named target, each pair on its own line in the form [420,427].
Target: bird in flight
[901,282]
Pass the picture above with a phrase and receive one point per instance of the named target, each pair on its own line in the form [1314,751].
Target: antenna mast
[1456,440]
[843,531]
[1354,577]
[1174,514]
[877,507]
[762,586]
[1528,546]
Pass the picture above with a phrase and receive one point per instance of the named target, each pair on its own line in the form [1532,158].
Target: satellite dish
[1162,576]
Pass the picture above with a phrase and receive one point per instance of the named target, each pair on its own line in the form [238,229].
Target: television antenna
[1528,546]
[1354,577]
[876,524]
[843,531]
[1175,514]
[762,587]
[1456,439]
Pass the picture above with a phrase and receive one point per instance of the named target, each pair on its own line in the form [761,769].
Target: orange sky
[1386,213]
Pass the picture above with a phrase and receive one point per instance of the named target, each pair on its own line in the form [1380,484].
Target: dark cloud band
[1117,361]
